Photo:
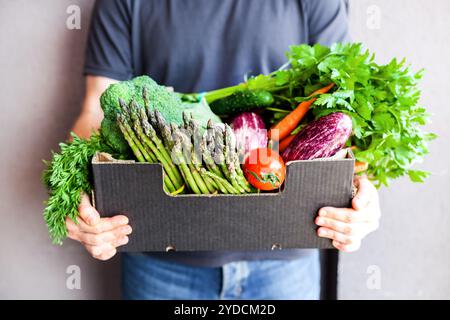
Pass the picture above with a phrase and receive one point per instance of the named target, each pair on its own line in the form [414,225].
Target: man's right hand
[100,236]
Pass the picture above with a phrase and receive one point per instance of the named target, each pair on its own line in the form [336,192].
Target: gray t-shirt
[200,45]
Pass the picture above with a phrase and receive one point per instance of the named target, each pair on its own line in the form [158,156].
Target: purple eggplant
[250,132]
[320,139]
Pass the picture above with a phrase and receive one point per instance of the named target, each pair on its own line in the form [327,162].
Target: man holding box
[199,45]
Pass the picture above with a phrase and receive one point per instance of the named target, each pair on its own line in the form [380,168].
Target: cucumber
[242,100]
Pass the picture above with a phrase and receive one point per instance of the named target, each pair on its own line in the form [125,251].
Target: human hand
[100,236]
[347,227]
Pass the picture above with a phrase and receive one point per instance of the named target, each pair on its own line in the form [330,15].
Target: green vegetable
[140,117]
[242,100]
[114,137]
[200,111]
[67,177]
[382,101]
[146,92]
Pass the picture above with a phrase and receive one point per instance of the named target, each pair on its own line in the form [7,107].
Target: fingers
[102,239]
[328,233]
[104,224]
[113,236]
[343,214]
[104,252]
[354,229]
[87,212]
[366,195]
[347,227]
[100,236]
[347,247]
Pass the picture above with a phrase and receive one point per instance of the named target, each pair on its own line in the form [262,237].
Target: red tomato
[264,169]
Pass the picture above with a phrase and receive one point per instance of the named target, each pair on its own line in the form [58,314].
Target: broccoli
[113,137]
[168,103]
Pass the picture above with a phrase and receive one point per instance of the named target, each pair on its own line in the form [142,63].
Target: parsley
[381,99]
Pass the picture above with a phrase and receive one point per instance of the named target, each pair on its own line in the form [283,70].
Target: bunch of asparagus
[205,163]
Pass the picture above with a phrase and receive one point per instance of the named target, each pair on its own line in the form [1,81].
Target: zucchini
[242,100]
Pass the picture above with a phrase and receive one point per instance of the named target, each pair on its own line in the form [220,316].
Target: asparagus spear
[158,142]
[159,120]
[186,120]
[232,159]
[187,150]
[222,181]
[197,165]
[152,118]
[177,154]
[207,157]
[220,155]
[196,139]
[166,134]
[146,99]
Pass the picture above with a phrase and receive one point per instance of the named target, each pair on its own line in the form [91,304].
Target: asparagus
[182,150]
[220,158]
[152,118]
[197,164]
[166,135]
[187,150]
[164,129]
[177,153]
[146,99]
[196,139]
[207,157]
[214,182]
[222,182]
[149,157]
[186,121]
[209,136]
[157,141]
[130,113]
[133,143]
[154,144]
[232,159]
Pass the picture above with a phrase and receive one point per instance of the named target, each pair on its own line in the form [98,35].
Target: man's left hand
[347,227]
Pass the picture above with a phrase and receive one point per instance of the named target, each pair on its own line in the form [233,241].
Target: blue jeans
[145,277]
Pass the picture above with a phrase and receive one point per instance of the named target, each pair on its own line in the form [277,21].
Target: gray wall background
[41,90]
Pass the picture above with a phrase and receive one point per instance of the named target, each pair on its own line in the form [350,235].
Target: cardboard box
[271,221]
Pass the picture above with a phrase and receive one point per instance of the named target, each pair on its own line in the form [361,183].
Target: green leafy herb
[66,177]
[382,101]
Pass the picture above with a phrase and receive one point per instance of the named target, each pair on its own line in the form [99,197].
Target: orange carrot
[360,166]
[283,128]
[285,142]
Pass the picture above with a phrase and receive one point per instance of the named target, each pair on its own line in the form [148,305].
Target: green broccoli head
[109,99]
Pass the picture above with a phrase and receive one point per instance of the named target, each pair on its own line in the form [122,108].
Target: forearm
[88,122]
[91,115]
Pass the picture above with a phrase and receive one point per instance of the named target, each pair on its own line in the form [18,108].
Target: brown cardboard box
[271,221]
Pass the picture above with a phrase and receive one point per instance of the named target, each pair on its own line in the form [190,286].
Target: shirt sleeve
[327,21]
[108,51]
